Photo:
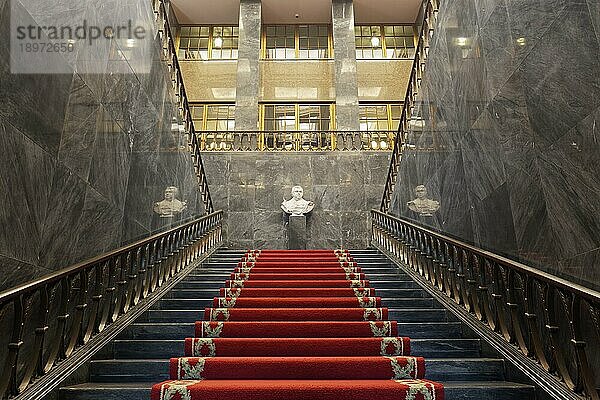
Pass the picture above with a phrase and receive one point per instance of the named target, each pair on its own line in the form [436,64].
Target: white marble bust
[297,205]
[170,205]
[422,205]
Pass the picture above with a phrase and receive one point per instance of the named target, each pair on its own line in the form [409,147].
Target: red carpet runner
[297,325]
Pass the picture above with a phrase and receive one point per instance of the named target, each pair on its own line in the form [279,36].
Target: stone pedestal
[297,232]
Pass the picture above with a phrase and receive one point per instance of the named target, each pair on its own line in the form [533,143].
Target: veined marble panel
[247,91]
[508,145]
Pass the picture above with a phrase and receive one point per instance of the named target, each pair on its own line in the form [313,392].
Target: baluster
[515,283]
[476,287]
[552,318]
[456,277]
[8,376]
[502,281]
[96,302]
[34,361]
[55,346]
[532,321]
[585,372]
[487,279]
[121,292]
[464,278]
[110,294]
[74,337]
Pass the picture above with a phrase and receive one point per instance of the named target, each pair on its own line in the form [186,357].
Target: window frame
[209,50]
[383,41]
[264,37]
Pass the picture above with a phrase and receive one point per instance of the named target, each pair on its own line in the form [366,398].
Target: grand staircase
[139,358]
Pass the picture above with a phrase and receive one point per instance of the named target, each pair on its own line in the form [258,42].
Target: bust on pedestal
[424,207]
[297,208]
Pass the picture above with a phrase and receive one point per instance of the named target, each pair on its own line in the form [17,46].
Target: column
[346,85]
[247,91]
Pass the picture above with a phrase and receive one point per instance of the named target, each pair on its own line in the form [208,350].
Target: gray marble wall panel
[86,156]
[251,186]
[509,143]
[248,74]
[346,85]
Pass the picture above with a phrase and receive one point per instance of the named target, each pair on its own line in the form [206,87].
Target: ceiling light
[218,42]
[383,145]
[375,41]
[461,41]
[130,43]
[374,145]
[521,41]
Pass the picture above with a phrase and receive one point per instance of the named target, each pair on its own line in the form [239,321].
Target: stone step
[180,330]
[222,276]
[438,369]
[193,303]
[463,390]
[438,348]
[212,284]
[395,314]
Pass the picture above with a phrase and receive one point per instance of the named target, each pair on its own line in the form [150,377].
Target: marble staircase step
[396,314]
[148,349]
[463,390]
[438,369]
[179,330]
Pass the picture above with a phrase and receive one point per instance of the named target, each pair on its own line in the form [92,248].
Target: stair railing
[549,319]
[44,322]
[169,54]
[409,114]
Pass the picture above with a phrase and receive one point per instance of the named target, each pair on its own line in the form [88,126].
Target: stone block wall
[250,187]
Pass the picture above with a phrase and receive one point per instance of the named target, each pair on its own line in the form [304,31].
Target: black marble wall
[250,187]
[84,156]
[510,142]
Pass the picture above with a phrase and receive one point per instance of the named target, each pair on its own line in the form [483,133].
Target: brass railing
[169,55]
[409,114]
[296,140]
[45,321]
[549,319]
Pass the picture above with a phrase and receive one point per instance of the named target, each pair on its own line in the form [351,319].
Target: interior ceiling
[226,12]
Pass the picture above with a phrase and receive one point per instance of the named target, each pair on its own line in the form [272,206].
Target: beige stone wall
[207,81]
[297,81]
[383,80]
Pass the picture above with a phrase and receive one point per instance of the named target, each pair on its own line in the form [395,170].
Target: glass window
[384,41]
[286,42]
[208,42]
[297,126]
[213,117]
[379,122]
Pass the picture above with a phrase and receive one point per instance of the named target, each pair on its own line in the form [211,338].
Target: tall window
[215,122]
[380,117]
[384,41]
[208,43]
[213,117]
[297,126]
[378,123]
[296,117]
[288,42]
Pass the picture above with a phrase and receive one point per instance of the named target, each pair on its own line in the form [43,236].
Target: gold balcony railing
[296,140]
